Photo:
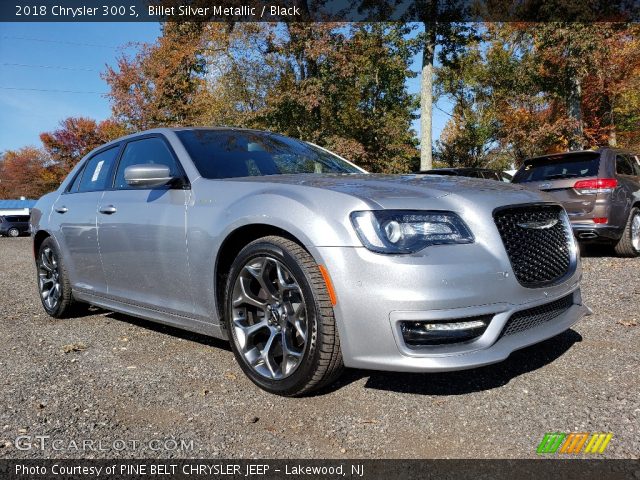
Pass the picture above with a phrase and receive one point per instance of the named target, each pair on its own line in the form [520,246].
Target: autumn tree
[162,84]
[343,87]
[338,85]
[611,93]
[526,90]
[26,172]
[469,136]
[75,137]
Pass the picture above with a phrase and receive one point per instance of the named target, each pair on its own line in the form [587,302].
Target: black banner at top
[320,10]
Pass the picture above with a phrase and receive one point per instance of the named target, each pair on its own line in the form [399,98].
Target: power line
[52,90]
[57,67]
[62,42]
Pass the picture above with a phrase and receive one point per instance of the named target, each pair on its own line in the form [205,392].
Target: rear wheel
[53,282]
[629,243]
[280,318]
[13,232]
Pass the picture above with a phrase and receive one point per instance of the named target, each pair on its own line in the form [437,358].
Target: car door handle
[108,210]
[62,209]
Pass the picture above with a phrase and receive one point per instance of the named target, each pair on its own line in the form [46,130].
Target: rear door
[75,213]
[558,176]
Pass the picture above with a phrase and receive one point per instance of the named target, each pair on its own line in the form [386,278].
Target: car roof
[180,129]
[176,129]
[598,151]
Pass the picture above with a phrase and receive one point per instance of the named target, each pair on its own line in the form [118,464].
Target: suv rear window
[556,167]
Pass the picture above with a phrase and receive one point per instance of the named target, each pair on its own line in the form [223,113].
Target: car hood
[388,190]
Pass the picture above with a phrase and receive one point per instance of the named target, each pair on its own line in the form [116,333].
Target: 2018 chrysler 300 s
[302,260]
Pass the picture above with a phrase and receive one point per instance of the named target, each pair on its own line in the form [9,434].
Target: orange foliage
[26,172]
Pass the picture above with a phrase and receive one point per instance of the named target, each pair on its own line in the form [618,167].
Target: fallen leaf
[628,323]
[74,347]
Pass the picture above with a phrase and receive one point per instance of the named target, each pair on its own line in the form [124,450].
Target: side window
[97,173]
[148,150]
[623,165]
[76,181]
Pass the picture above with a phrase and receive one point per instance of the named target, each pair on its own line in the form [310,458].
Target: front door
[142,234]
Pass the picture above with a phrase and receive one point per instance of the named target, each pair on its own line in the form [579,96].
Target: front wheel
[280,318]
[13,232]
[629,244]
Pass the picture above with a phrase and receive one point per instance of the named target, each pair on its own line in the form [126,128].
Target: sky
[50,71]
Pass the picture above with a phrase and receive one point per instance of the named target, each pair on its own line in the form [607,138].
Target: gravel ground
[111,378]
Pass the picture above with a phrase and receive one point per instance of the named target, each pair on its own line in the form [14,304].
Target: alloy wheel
[13,232]
[269,323]
[49,278]
[635,232]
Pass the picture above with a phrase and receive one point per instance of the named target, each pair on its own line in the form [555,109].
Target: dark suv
[14,225]
[600,189]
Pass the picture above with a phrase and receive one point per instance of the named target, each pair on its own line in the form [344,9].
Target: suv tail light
[597,185]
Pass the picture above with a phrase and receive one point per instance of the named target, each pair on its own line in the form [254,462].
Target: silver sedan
[302,260]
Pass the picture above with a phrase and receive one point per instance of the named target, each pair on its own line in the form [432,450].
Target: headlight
[408,231]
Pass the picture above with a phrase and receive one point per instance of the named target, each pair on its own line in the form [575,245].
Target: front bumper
[375,293]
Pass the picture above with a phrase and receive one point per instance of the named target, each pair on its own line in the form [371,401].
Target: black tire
[624,247]
[321,360]
[66,306]
[13,232]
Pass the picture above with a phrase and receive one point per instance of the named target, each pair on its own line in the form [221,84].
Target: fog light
[423,333]
[455,325]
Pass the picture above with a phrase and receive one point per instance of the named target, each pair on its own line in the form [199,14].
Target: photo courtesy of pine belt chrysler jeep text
[305,262]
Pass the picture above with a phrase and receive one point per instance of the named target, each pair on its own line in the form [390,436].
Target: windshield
[241,153]
[557,167]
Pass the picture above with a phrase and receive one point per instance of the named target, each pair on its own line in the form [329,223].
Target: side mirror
[147,175]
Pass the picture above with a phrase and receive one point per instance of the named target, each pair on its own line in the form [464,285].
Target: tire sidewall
[310,358]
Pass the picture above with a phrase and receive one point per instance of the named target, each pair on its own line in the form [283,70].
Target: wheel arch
[231,246]
[38,238]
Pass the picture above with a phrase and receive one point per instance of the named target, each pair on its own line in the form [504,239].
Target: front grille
[533,317]
[539,250]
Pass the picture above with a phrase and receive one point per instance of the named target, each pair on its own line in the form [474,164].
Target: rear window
[557,167]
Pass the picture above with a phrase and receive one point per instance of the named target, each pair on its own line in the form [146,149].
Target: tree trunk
[426,96]
[613,138]
[574,101]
